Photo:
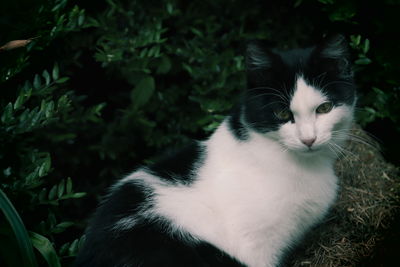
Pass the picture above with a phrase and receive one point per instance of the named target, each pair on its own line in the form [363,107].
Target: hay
[364,214]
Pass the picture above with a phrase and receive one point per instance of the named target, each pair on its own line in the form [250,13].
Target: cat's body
[247,194]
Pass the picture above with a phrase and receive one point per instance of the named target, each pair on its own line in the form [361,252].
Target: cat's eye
[324,107]
[284,114]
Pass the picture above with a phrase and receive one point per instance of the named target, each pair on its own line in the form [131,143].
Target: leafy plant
[28,111]
[21,235]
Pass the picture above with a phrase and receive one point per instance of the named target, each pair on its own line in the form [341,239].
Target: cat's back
[125,231]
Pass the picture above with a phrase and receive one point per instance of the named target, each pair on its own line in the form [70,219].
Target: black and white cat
[247,194]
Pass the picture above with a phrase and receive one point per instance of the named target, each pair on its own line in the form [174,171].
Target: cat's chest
[271,193]
[241,205]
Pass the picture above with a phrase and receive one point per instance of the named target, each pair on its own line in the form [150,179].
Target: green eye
[324,107]
[284,114]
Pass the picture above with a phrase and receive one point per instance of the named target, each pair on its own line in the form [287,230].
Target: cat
[250,192]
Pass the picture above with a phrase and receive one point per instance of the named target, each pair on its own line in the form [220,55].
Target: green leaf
[21,235]
[143,53]
[7,115]
[69,185]
[27,90]
[326,2]
[143,91]
[363,61]
[366,46]
[55,72]
[64,248]
[44,246]
[62,80]
[42,195]
[358,40]
[164,66]
[73,249]
[81,241]
[78,195]
[188,68]
[35,116]
[61,188]
[63,102]
[45,167]
[49,109]
[46,77]
[98,108]
[52,219]
[59,228]
[53,192]
[170,8]
[196,32]
[19,102]
[33,175]
[36,82]
[81,18]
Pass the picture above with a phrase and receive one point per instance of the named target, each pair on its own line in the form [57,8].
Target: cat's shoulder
[179,165]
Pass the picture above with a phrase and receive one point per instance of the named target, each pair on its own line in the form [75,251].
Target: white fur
[253,199]
[308,124]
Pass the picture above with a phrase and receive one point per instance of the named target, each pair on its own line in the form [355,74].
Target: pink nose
[309,141]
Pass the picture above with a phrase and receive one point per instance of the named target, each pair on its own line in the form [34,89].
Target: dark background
[104,86]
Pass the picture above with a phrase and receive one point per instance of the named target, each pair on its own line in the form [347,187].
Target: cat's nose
[309,141]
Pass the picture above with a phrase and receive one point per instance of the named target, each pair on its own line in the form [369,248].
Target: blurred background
[91,89]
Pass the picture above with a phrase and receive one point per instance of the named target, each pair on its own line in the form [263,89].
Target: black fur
[272,76]
[177,165]
[148,243]
[235,125]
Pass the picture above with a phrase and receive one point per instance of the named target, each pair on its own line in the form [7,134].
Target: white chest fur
[251,199]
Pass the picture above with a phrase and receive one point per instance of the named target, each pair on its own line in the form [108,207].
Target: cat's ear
[261,63]
[334,50]
[257,56]
[334,47]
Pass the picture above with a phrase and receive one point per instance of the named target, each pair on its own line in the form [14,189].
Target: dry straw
[364,215]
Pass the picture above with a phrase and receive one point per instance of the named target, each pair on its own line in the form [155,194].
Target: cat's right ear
[257,56]
[334,55]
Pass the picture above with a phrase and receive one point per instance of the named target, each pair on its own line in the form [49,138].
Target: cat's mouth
[310,150]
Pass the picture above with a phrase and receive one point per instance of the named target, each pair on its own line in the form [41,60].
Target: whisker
[331,148]
[336,82]
[279,92]
[269,104]
[345,152]
[265,94]
[344,135]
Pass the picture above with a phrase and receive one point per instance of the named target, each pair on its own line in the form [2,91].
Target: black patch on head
[330,70]
[178,165]
[272,76]
[147,243]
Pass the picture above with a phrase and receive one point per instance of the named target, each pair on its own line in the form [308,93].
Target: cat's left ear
[334,51]
[261,63]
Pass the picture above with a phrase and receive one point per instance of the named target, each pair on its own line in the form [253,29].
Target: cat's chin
[309,152]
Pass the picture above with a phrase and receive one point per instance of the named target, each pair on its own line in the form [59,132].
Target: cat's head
[303,98]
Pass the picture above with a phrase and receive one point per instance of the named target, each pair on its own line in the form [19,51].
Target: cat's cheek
[339,119]
[288,136]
